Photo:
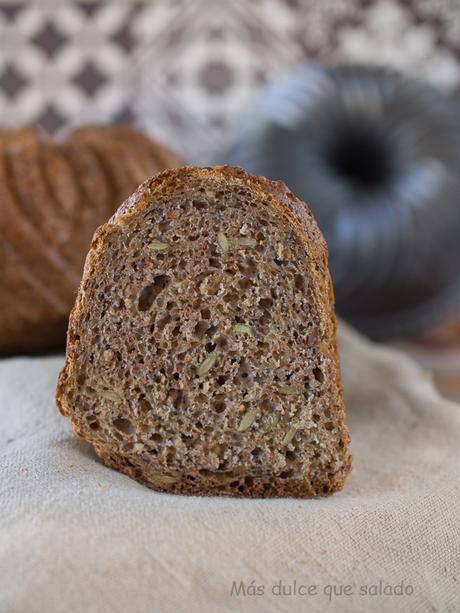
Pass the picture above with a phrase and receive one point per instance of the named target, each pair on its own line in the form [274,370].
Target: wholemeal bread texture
[53,195]
[202,354]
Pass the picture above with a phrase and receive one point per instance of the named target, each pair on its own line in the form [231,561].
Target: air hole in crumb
[171,454]
[175,397]
[316,417]
[200,328]
[219,407]
[199,204]
[145,405]
[286,474]
[243,371]
[318,374]
[205,313]
[245,283]
[266,405]
[266,303]
[221,342]
[180,399]
[164,321]
[210,331]
[251,266]
[123,425]
[210,347]
[156,437]
[151,291]
[221,380]
[231,297]
[299,282]
[329,425]
[265,318]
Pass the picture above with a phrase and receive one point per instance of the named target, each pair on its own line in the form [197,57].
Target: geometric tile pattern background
[184,69]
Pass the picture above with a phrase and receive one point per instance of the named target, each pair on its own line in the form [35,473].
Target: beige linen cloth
[78,537]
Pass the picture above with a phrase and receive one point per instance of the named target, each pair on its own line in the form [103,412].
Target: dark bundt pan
[376,154]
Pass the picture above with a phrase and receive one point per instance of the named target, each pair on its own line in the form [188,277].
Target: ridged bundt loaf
[201,350]
[53,195]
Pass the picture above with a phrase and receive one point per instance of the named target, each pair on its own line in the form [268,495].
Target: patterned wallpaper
[184,69]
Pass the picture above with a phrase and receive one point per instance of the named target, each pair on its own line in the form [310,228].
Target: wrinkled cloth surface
[78,537]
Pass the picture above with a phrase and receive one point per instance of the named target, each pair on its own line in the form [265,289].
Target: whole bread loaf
[202,354]
[53,195]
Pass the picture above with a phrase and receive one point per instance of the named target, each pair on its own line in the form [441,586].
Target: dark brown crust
[299,215]
[47,219]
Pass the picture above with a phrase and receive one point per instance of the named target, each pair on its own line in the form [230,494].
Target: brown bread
[202,354]
[53,195]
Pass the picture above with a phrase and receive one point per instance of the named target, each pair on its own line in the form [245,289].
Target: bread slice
[202,354]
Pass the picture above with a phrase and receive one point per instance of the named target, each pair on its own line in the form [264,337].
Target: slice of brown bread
[202,354]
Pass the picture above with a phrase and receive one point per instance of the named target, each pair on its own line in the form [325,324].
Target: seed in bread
[205,365]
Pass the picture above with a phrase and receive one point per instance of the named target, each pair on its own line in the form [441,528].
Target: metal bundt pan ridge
[376,154]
